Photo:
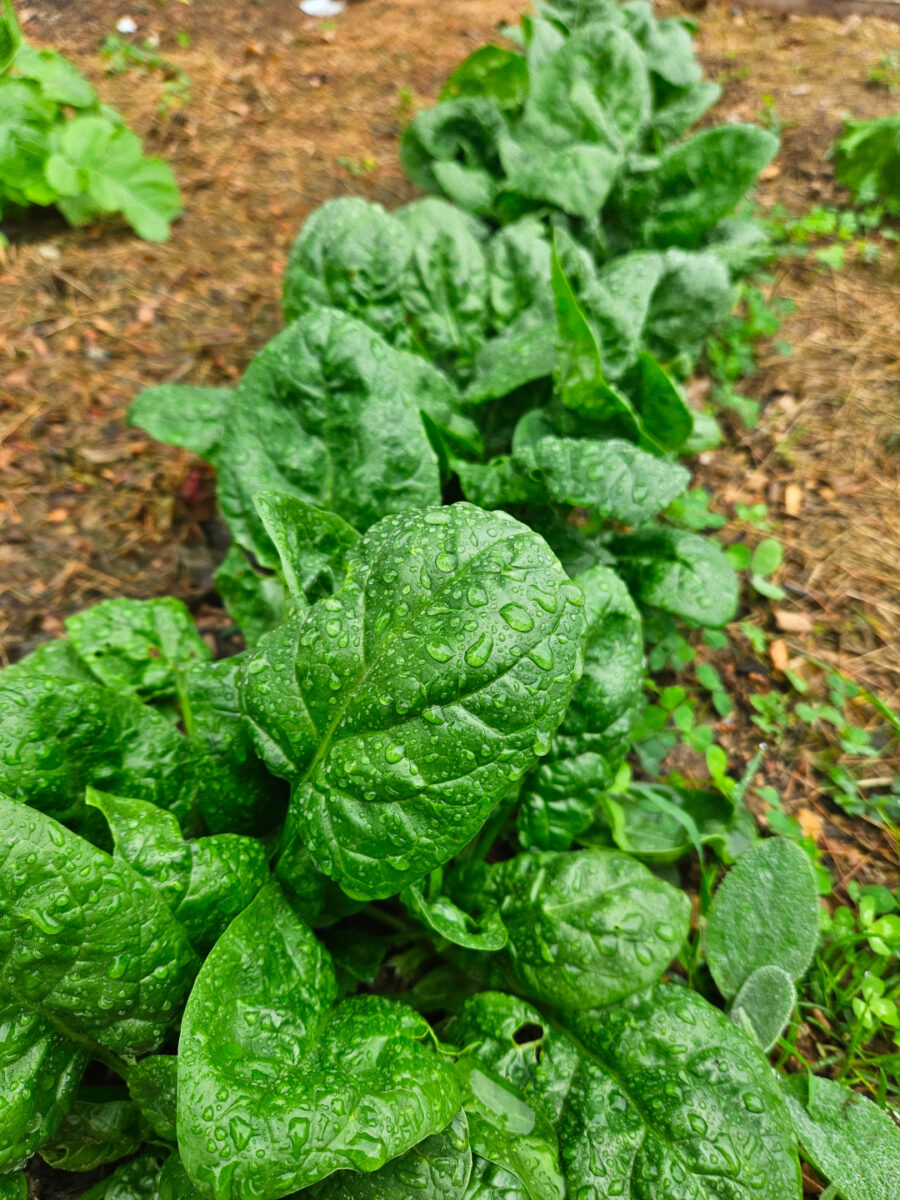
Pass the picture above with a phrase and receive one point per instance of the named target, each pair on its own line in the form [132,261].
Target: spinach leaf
[312,545]
[586,927]
[183,415]
[691,298]
[152,1083]
[300,1087]
[765,912]
[576,178]
[445,289]
[40,1070]
[519,263]
[490,1182]
[452,149]
[92,1134]
[448,921]
[57,736]
[137,645]
[678,571]
[437,1169]
[491,71]
[85,942]
[659,1095]
[256,602]
[612,478]
[847,1138]
[205,882]
[560,794]
[695,184]
[235,792]
[322,413]
[350,255]
[403,707]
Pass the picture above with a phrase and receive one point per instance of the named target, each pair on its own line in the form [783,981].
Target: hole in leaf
[527,1033]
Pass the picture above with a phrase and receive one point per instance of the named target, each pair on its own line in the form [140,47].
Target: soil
[286,111]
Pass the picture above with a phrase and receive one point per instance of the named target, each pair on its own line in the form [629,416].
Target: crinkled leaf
[322,413]
[312,544]
[450,922]
[498,482]
[183,415]
[236,793]
[678,108]
[85,941]
[464,132]
[137,646]
[205,882]
[696,184]
[666,43]
[137,1179]
[152,1083]
[255,602]
[519,262]
[617,300]
[522,353]
[445,289]
[92,1134]
[40,1070]
[657,1096]
[612,478]
[92,155]
[403,707]
[765,912]
[490,1182]
[594,88]
[437,1169]
[575,178]
[300,1086]
[559,796]
[692,297]
[58,736]
[56,657]
[867,161]
[681,572]
[351,255]
[764,1004]
[586,927]
[847,1138]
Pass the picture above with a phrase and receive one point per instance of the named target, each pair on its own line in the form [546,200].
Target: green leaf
[57,736]
[678,571]
[847,1138]
[767,557]
[445,289]
[617,300]
[660,824]
[519,263]
[765,913]
[666,43]
[575,178]
[40,1070]
[303,1087]
[255,602]
[497,483]
[667,421]
[677,109]
[437,1169]
[405,706]
[92,155]
[579,376]
[560,794]
[448,921]
[657,1096]
[55,658]
[312,545]
[493,72]
[594,89]
[691,299]
[521,354]
[613,478]
[205,883]
[586,927]
[93,1134]
[13,1187]
[182,415]
[490,1182]
[137,646]
[462,133]
[10,35]
[867,161]
[137,1179]
[58,78]
[350,254]
[236,794]
[84,941]
[764,1005]
[152,1083]
[696,184]
[325,413]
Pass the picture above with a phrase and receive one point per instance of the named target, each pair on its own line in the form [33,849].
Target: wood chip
[793,500]
[792,622]
[778,652]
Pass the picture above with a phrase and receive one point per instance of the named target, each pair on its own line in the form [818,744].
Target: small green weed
[357,166]
[886,73]
[122,56]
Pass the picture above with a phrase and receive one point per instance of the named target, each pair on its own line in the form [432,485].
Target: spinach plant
[59,145]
